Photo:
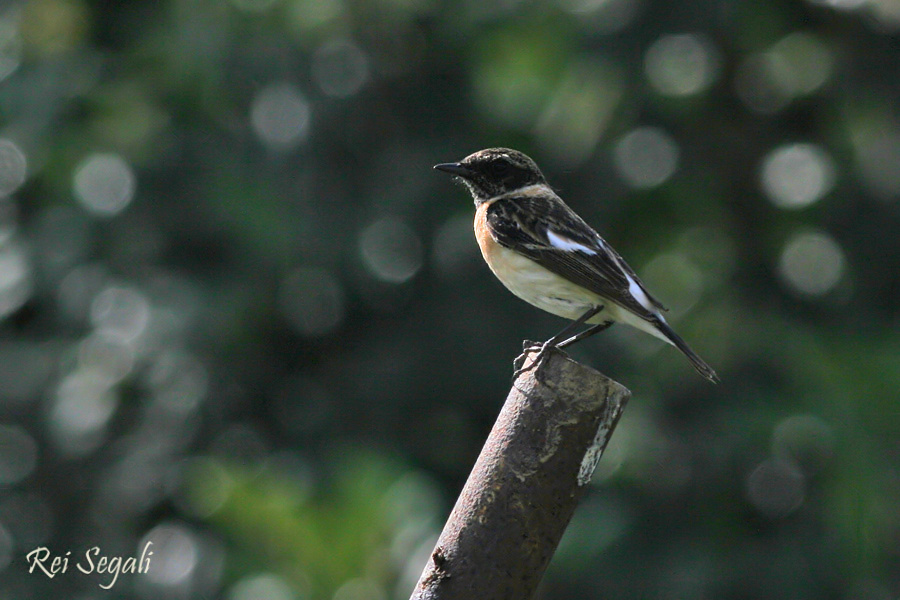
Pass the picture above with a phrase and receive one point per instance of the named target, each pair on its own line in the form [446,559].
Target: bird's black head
[495,171]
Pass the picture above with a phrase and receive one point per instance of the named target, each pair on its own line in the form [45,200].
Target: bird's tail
[698,363]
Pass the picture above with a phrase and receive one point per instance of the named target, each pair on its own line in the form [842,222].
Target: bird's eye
[499,168]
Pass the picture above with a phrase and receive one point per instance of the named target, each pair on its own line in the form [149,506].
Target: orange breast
[488,246]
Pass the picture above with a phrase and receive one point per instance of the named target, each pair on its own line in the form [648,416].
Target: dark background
[243,319]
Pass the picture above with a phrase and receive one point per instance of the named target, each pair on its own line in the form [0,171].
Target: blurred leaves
[241,317]
[320,543]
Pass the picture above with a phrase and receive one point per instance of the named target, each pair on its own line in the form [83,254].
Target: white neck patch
[535,189]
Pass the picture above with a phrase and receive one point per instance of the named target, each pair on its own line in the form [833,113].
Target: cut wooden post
[520,496]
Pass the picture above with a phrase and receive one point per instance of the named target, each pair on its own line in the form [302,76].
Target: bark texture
[522,492]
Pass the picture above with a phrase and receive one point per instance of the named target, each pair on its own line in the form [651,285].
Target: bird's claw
[528,345]
[538,359]
[520,359]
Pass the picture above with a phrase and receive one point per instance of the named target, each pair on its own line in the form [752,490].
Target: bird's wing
[547,231]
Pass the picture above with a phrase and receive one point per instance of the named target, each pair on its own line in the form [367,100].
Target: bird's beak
[458,169]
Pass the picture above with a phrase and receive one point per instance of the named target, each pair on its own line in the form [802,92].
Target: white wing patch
[563,243]
[635,290]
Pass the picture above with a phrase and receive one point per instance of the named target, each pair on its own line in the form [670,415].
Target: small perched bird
[548,256]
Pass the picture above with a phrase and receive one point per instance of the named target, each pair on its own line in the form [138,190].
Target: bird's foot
[526,346]
[543,351]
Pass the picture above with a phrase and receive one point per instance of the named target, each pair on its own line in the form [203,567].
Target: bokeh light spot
[15,278]
[797,65]
[360,589]
[307,16]
[179,381]
[391,250]
[681,64]
[13,167]
[207,486]
[646,157]
[812,263]
[840,4]
[579,110]
[262,585]
[280,116]
[120,311]
[10,48]
[886,12]
[515,73]
[776,488]
[802,63]
[676,278]
[602,16]
[797,175]
[83,405]
[175,554]
[312,300]
[53,27]
[805,440]
[104,184]
[340,68]
[107,356]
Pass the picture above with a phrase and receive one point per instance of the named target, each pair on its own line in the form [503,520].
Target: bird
[547,255]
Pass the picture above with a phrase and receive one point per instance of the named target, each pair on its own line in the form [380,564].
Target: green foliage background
[243,319]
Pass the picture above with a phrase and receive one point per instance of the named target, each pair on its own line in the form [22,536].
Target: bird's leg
[584,334]
[555,341]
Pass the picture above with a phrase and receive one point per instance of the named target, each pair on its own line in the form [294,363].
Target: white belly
[550,292]
[542,288]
